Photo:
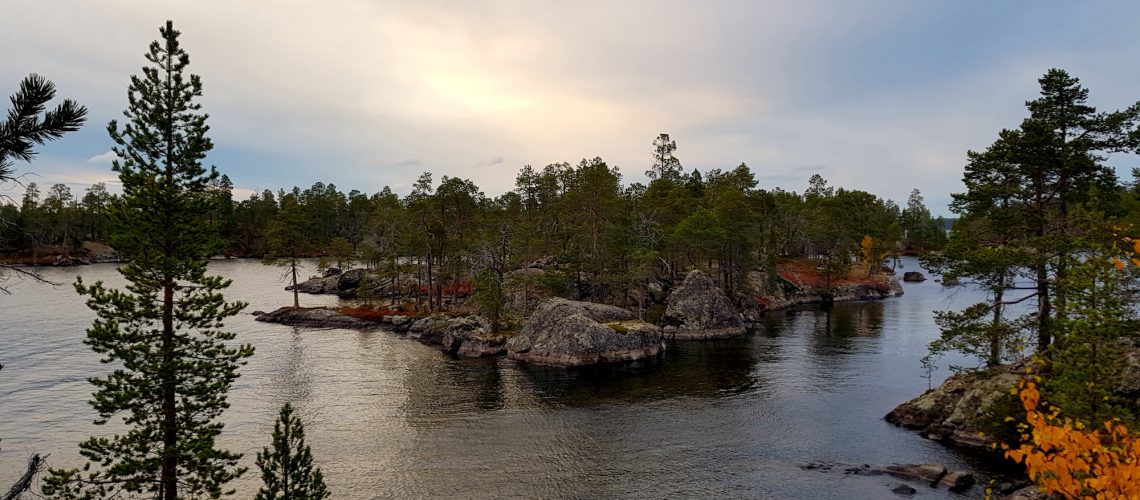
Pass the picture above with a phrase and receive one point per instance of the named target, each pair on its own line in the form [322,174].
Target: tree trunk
[430,290]
[1044,310]
[995,339]
[169,476]
[296,297]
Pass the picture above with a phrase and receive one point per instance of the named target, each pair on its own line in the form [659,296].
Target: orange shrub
[1063,457]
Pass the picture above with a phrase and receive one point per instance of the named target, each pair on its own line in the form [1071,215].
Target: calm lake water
[391,418]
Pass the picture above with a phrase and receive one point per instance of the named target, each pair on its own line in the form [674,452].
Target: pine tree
[164,332]
[287,469]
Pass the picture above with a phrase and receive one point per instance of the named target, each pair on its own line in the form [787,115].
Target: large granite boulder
[350,279]
[334,281]
[701,310]
[568,333]
[324,284]
[316,318]
[99,252]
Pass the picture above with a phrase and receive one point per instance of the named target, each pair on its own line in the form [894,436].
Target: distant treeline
[581,216]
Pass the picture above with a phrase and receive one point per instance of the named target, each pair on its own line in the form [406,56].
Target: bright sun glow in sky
[884,96]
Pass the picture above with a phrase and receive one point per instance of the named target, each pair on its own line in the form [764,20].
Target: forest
[606,236]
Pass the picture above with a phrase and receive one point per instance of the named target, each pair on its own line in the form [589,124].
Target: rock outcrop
[315,318]
[701,310]
[99,252]
[789,294]
[947,412]
[468,336]
[568,333]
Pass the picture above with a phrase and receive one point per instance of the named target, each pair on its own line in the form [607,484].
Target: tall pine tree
[287,469]
[164,331]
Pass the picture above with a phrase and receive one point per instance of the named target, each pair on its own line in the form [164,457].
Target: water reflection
[696,369]
[441,390]
[389,417]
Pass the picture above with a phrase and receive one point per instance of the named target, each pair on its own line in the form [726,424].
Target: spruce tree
[163,333]
[287,469]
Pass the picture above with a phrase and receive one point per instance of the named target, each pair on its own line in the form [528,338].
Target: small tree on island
[287,469]
[286,238]
[174,362]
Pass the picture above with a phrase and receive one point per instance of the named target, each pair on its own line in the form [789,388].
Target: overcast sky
[882,96]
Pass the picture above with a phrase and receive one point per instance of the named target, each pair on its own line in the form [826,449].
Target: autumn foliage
[1064,457]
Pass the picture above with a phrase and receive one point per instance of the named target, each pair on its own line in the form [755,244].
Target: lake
[391,418]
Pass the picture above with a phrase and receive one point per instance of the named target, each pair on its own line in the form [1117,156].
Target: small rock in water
[957,481]
[927,473]
[903,489]
[913,276]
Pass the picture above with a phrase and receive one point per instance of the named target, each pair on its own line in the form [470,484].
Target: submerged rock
[913,276]
[315,317]
[568,333]
[701,310]
[903,489]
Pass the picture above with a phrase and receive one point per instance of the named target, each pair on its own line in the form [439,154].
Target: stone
[926,473]
[569,333]
[701,310]
[957,481]
[318,286]
[913,276]
[903,489]
[349,280]
[98,252]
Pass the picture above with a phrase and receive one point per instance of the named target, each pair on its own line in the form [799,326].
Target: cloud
[106,158]
[887,95]
[498,160]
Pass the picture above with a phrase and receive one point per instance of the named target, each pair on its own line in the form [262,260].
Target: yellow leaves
[1119,264]
[1064,458]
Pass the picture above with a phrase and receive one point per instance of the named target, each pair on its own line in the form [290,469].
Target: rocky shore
[950,411]
[89,252]
[563,332]
[467,336]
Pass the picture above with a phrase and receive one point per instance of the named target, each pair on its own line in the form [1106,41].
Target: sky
[882,96]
